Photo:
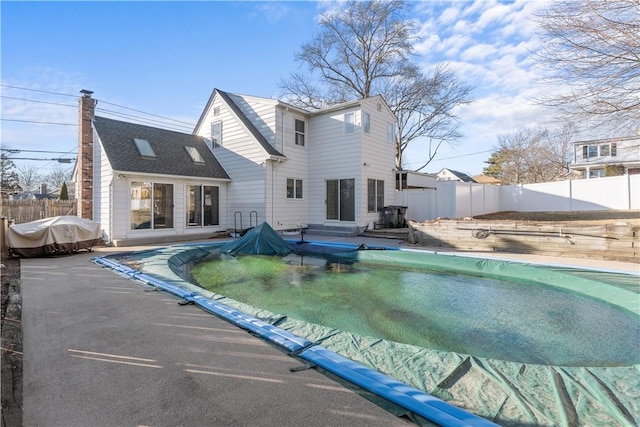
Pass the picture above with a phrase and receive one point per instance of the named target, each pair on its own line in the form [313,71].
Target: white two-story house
[591,157]
[249,160]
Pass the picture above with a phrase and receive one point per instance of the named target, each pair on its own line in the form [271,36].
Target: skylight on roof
[144,148]
[195,154]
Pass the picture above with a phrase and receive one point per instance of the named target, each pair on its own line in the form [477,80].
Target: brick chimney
[84,169]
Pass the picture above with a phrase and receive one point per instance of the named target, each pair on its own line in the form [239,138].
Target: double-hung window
[349,122]
[216,134]
[299,132]
[391,133]
[294,188]
[375,195]
[366,122]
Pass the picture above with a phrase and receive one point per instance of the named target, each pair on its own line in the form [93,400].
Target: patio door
[203,208]
[151,205]
[341,200]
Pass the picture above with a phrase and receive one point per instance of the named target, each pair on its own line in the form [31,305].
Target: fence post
[4,226]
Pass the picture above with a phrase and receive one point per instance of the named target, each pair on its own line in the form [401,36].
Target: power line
[59,160]
[41,102]
[40,123]
[149,114]
[143,119]
[16,150]
[41,91]
[184,124]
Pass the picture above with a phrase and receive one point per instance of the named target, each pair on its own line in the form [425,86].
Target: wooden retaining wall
[618,241]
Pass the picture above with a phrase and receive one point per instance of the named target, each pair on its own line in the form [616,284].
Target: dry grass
[575,218]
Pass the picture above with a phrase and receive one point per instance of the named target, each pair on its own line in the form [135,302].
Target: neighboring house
[451,175]
[486,179]
[591,157]
[249,160]
[31,195]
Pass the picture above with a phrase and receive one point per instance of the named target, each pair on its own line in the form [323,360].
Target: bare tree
[58,176]
[424,108]
[29,177]
[592,49]
[530,156]
[366,49]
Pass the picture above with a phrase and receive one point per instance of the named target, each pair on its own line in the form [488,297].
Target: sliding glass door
[341,200]
[151,205]
[203,206]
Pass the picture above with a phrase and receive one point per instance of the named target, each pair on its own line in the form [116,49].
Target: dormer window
[144,148]
[195,155]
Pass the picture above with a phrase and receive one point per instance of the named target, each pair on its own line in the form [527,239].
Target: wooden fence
[21,211]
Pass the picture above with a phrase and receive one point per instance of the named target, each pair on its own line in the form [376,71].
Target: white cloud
[478,52]
[489,44]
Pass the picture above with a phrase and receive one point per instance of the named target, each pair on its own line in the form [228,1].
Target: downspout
[110,235]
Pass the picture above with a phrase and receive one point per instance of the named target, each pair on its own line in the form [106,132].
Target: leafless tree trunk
[591,49]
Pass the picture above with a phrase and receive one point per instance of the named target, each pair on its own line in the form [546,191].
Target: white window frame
[298,136]
[195,155]
[375,197]
[297,189]
[216,134]
[366,122]
[391,133]
[349,123]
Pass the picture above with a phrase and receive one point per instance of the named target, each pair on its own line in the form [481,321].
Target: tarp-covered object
[262,240]
[50,236]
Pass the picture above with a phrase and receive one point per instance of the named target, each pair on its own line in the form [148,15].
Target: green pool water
[514,321]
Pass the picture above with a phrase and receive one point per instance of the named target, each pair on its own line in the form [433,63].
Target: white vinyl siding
[261,112]
[333,154]
[102,189]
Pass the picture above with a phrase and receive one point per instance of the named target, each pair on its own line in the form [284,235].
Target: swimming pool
[506,391]
[516,320]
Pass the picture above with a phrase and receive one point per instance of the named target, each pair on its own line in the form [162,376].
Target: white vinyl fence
[453,199]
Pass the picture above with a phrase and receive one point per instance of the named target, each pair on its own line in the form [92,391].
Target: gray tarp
[50,236]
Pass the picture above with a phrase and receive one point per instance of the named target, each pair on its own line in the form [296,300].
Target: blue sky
[165,58]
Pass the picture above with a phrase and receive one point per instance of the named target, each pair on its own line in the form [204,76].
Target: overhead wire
[173,124]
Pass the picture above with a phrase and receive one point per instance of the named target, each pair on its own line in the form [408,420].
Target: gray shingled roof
[171,156]
[461,176]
